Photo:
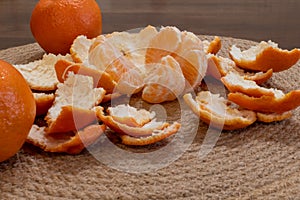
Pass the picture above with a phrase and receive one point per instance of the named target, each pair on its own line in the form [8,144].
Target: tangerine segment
[40,74]
[191,56]
[146,130]
[130,82]
[164,81]
[156,136]
[189,41]
[106,57]
[212,47]
[267,104]
[219,66]
[43,102]
[265,56]
[193,64]
[185,47]
[219,112]
[165,42]
[273,117]
[100,78]
[75,94]
[80,48]
[236,83]
[130,116]
[67,142]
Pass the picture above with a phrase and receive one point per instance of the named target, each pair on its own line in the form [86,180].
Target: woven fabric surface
[261,161]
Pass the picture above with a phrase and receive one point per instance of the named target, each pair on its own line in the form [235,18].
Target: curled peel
[66,142]
[273,117]
[73,103]
[40,74]
[156,136]
[236,83]
[80,49]
[267,104]
[100,78]
[213,46]
[219,112]
[219,66]
[43,102]
[265,56]
[122,128]
[130,116]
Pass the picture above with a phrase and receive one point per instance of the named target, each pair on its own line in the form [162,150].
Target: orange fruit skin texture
[17,110]
[56,23]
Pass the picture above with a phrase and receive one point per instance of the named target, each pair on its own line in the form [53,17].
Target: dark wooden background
[257,20]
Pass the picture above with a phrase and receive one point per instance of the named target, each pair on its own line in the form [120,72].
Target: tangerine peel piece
[219,112]
[156,136]
[265,56]
[67,142]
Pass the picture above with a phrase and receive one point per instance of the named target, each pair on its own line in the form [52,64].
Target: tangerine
[17,110]
[56,23]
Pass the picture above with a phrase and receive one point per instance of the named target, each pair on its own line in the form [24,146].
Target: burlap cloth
[258,162]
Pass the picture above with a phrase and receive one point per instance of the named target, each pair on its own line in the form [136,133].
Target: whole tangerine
[56,23]
[17,110]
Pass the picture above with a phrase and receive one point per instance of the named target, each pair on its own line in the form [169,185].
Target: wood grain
[248,19]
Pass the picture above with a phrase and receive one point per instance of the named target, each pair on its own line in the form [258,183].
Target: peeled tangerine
[265,56]
[136,127]
[219,112]
[107,58]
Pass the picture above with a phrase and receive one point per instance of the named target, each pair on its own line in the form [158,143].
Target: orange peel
[123,129]
[236,83]
[265,56]
[130,116]
[219,66]
[219,112]
[268,104]
[40,74]
[43,102]
[100,78]
[67,142]
[73,103]
[80,49]
[156,136]
[212,47]
[273,117]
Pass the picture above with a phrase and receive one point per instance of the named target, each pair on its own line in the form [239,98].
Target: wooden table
[248,19]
